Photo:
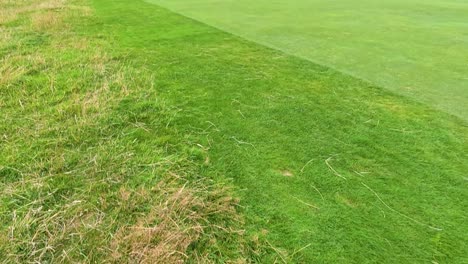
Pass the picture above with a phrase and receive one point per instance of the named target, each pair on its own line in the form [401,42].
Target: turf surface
[91,170]
[329,168]
[417,48]
[323,161]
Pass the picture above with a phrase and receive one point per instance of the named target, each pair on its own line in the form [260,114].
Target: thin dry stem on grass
[327,162]
[398,212]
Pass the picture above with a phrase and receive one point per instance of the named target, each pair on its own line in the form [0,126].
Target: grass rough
[91,169]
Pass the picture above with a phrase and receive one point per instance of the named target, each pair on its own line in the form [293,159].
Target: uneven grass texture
[334,169]
[417,48]
[124,117]
[91,171]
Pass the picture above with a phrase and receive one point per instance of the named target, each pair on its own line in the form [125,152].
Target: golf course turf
[417,48]
[329,168]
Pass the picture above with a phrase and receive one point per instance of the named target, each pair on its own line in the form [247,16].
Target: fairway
[417,48]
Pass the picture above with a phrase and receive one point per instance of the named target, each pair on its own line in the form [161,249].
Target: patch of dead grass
[178,219]
[10,72]
[46,20]
[12,67]
[5,35]
[7,16]
[286,173]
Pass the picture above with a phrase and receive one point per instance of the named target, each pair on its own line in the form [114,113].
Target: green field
[417,48]
[133,133]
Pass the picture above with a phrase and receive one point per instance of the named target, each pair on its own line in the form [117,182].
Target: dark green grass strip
[323,161]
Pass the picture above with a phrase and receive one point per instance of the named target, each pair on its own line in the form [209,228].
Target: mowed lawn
[417,48]
[333,168]
[328,168]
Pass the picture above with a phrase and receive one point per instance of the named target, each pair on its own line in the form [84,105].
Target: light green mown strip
[418,48]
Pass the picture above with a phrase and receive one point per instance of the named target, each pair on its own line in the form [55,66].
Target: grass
[416,48]
[135,116]
[91,169]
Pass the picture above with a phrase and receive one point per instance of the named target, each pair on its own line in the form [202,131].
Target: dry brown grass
[49,229]
[10,70]
[46,20]
[44,15]
[177,220]
[5,35]
[7,16]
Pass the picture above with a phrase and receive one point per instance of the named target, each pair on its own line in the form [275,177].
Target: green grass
[417,48]
[329,168]
[261,112]
[91,169]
